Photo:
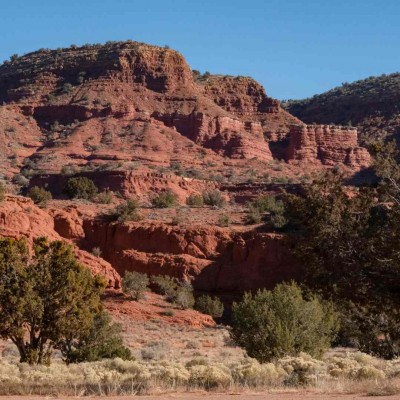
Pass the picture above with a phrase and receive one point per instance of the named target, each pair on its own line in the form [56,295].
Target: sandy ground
[225,396]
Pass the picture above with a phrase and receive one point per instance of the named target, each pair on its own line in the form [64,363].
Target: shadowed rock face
[216,260]
[131,101]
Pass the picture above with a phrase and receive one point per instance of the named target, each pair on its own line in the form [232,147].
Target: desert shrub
[224,220]
[269,204]
[102,341]
[213,198]
[135,284]
[183,297]
[253,215]
[195,200]
[2,192]
[301,370]
[273,324]
[20,180]
[105,197]
[165,199]
[80,188]
[165,285]
[127,211]
[177,220]
[155,350]
[39,195]
[96,251]
[209,305]
[210,376]
[67,88]
[168,313]
[69,169]
[254,374]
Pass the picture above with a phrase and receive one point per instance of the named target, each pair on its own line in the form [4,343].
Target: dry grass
[339,372]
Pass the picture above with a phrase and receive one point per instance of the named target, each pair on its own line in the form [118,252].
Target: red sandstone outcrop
[127,101]
[19,217]
[137,184]
[217,260]
[327,144]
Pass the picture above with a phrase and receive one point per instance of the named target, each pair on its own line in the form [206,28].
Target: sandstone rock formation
[330,145]
[105,106]
[19,217]
[216,260]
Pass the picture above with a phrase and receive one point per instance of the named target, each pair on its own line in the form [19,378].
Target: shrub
[102,341]
[195,200]
[67,88]
[80,188]
[184,296]
[272,324]
[2,192]
[127,211]
[39,195]
[167,313]
[20,180]
[209,305]
[253,215]
[177,219]
[224,220]
[267,204]
[165,199]
[105,197]
[96,251]
[165,285]
[135,284]
[213,198]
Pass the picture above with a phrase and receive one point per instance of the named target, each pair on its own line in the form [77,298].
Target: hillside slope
[116,105]
[372,104]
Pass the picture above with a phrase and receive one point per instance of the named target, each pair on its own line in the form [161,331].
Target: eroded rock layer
[128,101]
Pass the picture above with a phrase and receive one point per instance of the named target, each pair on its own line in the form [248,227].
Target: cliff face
[129,101]
[216,260]
[20,218]
[330,145]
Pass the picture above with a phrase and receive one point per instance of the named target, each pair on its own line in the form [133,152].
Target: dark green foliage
[39,195]
[165,285]
[44,298]
[165,199]
[103,340]
[180,294]
[195,200]
[356,103]
[213,198]
[209,305]
[269,208]
[351,247]
[80,188]
[2,192]
[273,324]
[135,284]
[127,211]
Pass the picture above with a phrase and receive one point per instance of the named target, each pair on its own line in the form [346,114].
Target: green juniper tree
[44,297]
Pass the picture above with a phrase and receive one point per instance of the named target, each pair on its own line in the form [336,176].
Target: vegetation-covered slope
[372,104]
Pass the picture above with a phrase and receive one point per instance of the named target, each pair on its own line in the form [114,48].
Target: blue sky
[295,48]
